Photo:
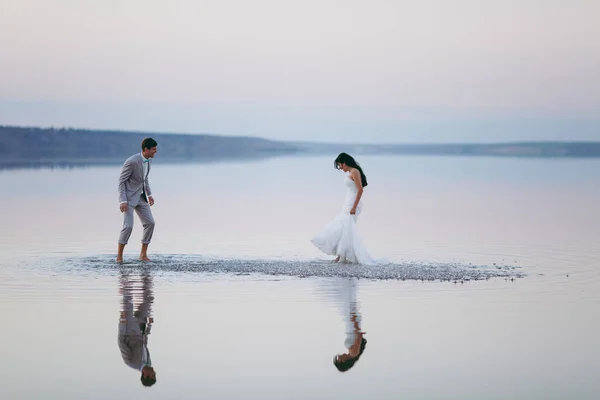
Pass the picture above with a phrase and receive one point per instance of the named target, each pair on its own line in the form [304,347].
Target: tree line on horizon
[34,145]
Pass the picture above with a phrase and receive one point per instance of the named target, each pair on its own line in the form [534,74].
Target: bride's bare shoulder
[353,174]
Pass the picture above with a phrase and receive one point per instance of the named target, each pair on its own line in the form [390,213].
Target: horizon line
[300,141]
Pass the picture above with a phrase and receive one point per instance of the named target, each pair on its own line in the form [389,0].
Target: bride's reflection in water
[355,342]
[135,322]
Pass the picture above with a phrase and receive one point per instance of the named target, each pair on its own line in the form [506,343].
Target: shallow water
[491,290]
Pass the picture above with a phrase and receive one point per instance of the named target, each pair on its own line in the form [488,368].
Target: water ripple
[303,268]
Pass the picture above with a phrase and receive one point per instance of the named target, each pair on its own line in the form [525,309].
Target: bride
[340,237]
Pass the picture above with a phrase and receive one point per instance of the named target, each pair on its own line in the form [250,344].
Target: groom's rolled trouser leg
[145,214]
[127,226]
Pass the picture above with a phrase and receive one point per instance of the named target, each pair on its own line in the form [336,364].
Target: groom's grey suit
[134,190]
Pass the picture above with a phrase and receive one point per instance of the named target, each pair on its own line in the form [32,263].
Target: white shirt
[144,167]
[145,361]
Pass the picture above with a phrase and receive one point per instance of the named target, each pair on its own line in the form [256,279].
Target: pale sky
[359,71]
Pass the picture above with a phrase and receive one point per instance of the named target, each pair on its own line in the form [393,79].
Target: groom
[135,323]
[135,194]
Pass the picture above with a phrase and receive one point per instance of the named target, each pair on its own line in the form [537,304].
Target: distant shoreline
[31,147]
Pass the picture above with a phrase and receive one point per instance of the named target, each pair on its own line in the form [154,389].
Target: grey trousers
[145,214]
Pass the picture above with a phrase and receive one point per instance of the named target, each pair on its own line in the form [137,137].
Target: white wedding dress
[340,237]
[342,292]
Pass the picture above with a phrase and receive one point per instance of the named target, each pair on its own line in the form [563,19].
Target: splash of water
[304,268]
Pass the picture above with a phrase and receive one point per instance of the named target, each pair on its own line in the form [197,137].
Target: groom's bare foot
[120,253]
[144,252]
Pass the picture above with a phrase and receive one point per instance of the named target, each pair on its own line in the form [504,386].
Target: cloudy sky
[371,70]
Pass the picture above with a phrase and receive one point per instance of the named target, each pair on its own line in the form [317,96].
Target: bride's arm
[358,182]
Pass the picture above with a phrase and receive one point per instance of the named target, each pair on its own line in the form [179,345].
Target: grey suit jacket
[132,342]
[132,180]
[132,348]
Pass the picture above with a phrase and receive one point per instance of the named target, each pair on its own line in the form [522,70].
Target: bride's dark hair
[344,366]
[344,158]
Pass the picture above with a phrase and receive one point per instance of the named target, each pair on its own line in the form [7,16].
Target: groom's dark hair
[148,143]
[147,381]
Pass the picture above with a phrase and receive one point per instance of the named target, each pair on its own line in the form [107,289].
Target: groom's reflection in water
[135,322]
[355,341]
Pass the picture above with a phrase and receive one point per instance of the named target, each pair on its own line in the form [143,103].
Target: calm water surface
[222,333]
